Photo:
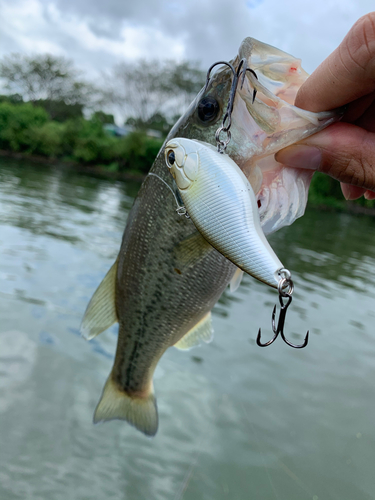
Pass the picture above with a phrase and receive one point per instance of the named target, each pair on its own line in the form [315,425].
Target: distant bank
[324,194]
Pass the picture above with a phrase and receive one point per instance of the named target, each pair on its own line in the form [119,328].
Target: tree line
[46,103]
[146,93]
[47,108]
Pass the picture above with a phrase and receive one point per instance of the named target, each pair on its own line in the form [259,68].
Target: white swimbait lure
[221,202]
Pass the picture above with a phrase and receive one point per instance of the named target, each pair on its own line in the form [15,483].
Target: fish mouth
[268,123]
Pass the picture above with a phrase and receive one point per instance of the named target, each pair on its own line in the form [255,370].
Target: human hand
[345,150]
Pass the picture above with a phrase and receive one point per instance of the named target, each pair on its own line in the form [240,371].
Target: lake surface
[236,421]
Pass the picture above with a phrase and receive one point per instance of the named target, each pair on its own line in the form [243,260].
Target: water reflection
[63,204]
[236,421]
[326,246]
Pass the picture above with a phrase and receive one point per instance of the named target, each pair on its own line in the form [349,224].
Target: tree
[44,77]
[12,98]
[60,111]
[103,117]
[148,89]
[188,79]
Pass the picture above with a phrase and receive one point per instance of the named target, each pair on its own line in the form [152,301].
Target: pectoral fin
[201,332]
[190,251]
[236,280]
[101,311]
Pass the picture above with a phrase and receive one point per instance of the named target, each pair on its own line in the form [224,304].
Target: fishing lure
[221,202]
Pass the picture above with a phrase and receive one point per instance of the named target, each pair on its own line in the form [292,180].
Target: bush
[136,151]
[15,121]
[27,128]
[86,141]
[58,110]
[45,140]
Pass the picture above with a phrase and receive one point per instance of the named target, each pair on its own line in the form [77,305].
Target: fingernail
[369,195]
[300,157]
[345,188]
[352,192]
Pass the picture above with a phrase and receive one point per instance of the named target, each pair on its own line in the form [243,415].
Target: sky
[97,34]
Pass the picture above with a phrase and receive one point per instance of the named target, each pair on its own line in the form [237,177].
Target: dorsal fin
[101,311]
[201,332]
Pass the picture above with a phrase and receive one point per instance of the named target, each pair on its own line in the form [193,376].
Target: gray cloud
[97,34]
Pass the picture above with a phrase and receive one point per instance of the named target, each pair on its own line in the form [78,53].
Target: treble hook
[227,119]
[284,307]
[243,63]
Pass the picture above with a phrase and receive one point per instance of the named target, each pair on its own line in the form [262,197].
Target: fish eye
[208,109]
[171,157]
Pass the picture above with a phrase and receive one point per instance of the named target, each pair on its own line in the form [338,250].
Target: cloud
[97,34]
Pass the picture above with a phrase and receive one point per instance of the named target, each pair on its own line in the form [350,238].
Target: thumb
[343,151]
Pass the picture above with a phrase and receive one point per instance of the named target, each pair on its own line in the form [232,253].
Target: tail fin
[142,413]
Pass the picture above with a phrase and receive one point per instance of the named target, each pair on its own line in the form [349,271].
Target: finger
[367,119]
[352,192]
[370,195]
[343,151]
[347,74]
[355,110]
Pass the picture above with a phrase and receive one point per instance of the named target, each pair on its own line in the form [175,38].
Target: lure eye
[171,158]
[208,109]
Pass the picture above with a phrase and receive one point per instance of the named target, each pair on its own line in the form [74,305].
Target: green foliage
[12,98]
[15,123]
[136,151]
[85,141]
[365,203]
[26,128]
[45,140]
[327,191]
[103,117]
[59,111]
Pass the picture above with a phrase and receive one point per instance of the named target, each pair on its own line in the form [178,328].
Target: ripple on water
[242,422]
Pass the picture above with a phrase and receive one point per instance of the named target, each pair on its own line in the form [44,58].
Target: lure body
[222,205]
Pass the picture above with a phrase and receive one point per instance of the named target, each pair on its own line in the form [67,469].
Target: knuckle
[367,163]
[357,169]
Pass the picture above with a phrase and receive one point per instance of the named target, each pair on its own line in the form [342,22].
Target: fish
[167,277]
[221,203]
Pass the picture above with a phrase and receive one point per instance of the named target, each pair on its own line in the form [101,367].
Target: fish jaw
[222,205]
[262,127]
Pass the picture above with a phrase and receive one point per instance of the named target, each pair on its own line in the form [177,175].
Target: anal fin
[201,332]
[101,311]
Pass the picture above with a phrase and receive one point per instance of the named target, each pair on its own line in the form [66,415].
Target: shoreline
[96,170]
[100,171]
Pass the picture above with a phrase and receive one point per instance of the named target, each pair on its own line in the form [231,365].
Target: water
[236,421]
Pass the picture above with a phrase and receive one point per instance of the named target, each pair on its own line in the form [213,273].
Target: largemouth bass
[167,278]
